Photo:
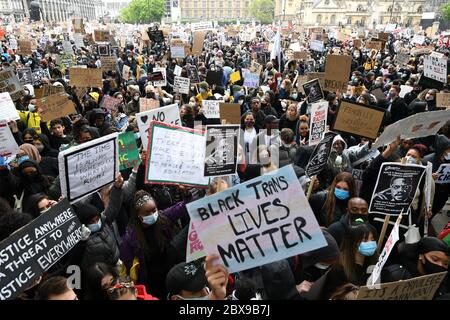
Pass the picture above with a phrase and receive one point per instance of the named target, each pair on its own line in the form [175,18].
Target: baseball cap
[271,119]
[186,276]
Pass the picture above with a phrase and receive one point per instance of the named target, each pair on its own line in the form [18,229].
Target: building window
[360,8]
[319,19]
[333,19]
[419,9]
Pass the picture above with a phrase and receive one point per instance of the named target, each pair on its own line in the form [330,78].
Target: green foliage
[143,11]
[263,10]
[446,11]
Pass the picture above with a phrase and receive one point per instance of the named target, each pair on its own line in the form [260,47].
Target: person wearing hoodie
[42,143]
[337,162]
[48,165]
[97,119]
[440,156]
[102,244]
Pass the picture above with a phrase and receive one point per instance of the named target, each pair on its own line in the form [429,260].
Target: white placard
[177,71]
[435,67]
[211,109]
[177,52]
[160,83]
[316,45]
[8,145]
[443,174]
[181,85]
[404,89]
[8,110]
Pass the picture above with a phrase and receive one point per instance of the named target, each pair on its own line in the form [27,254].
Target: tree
[263,10]
[143,11]
[446,11]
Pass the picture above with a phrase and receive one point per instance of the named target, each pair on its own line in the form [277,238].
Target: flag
[276,52]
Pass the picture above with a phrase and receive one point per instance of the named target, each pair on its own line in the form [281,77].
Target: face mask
[31,107]
[249,123]
[40,148]
[137,135]
[429,98]
[241,102]
[294,96]
[432,267]
[94,227]
[150,219]
[136,98]
[367,248]
[202,90]
[411,160]
[447,156]
[322,266]
[31,176]
[341,194]
[392,94]
[357,218]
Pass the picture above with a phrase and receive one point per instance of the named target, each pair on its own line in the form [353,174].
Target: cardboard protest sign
[102,35]
[110,103]
[175,155]
[8,110]
[163,81]
[251,80]
[181,85]
[318,124]
[317,75]
[395,188]
[256,67]
[390,243]
[78,25]
[109,63]
[86,77]
[320,155]
[55,106]
[9,83]
[358,119]
[443,100]
[316,45]
[419,288]
[416,126]
[85,168]
[357,43]
[313,91]
[435,67]
[377,45]
[128,151]
[25,47]
[8,145]
[230,113]
[443,174]
[194,247]
[337,72]
[221,150]
[34,248]
[48,90]
[148,104]
[198,40]
[25,76]
[214,77]
[301,55]
[126,72]
[210,109]
[235,76]
[168,114]
[239,223]
[193,74]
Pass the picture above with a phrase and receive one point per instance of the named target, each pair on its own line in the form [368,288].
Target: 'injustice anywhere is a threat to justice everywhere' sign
[263,220]
[30,251]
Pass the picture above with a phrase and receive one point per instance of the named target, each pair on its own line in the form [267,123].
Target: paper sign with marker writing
[146,104]
[211,109]
[86,77]
[8,110]
[251,79]
[110,103]
[443,174]
[175,155]
[109,63]
[194,247]
[168,114]
[177,71]
[8,145]
[435,67]
[257,222]
[181,85]
[85,168]
[55,106]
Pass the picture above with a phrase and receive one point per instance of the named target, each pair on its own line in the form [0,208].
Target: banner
[318,123]
[313,91]
[85,168]
[443,174]
[55,106]
[146,104]
[435,67]
[181,85]
[8,145]
[168,114]
[128,151]
[86,77]
[194,248]
[175,155]
[419,125]
[8,110]
[420,288]
[359,119]
[34,248]
[210,109]
[262,220]
[395,188]
[221,150]
[230,113]
[320,155]
[9,82]
[337,72]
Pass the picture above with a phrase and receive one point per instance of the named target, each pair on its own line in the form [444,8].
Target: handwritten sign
[211,109]
[443,100]
[175,155]
[102,35]
[128,151]
[9,82]
[177,52]
[146,104]
[109,63]
[251,79]
[85,168]
[435,67]
[110,103]
[25,47]
[377,45]
[33,249]
[168,114]
[235,77]
[358,119]
[420,288]
[443,174]
[337,72]
[8,145]
[257,222]
[8,110]
[319,113]
[316,45]
[194,247]
[181,85]
[126,72]
[86,77]
[55,106]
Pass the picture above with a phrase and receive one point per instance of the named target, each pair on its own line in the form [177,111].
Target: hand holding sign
[217,276]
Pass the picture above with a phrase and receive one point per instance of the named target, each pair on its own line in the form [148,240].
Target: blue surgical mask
[294,96]
[94,227]
[341,194]
[137,135]
[150,219]
[367,248]
[22,159]
[31,107]
[202,90]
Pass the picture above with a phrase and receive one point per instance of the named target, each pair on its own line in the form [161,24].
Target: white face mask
[321,266]
[411,160]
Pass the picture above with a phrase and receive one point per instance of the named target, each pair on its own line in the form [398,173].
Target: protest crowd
[239,162]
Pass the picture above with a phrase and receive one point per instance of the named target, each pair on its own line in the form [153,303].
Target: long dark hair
[94,276]
[31,205]
[330,203]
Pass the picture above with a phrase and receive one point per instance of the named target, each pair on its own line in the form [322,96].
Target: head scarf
[31,151]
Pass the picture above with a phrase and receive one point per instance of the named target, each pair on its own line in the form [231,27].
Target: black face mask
[31,176]
[357,218]
[430,267]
